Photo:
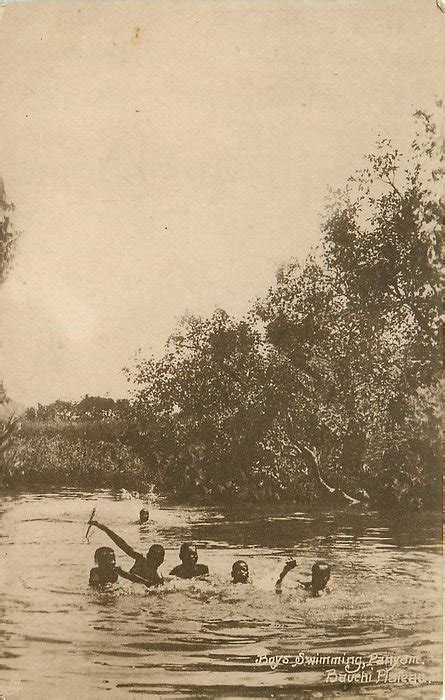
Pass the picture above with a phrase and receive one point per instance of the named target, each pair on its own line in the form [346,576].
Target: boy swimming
[240,572]
[107,572]
[144,516]
[321,573]
[189,567]
[145,568]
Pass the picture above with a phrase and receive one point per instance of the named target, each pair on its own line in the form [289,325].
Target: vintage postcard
[220,349]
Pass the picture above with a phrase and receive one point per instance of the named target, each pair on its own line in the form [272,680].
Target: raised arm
[133,577]
[117,540]
[289,565]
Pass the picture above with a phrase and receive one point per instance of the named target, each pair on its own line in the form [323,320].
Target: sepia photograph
[221,349]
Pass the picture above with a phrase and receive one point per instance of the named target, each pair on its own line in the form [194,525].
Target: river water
[210,639]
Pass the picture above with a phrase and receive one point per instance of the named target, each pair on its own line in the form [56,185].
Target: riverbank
[88,454]
[110,454]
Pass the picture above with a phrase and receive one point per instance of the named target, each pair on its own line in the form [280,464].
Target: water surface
[201,639]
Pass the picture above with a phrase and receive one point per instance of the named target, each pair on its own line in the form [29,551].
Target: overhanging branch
[312,458]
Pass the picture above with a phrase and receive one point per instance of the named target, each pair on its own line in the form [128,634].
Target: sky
[168,156]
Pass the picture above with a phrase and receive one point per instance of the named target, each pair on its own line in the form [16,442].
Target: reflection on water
[200,639]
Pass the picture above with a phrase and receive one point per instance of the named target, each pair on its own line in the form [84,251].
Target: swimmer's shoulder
[202,569]
[98,581]
[177,571]
[94,580]
[139,564]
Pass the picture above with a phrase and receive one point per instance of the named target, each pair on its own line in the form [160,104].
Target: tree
[8,233]
[195,405]
[8,239]
[331,384]
[359,323]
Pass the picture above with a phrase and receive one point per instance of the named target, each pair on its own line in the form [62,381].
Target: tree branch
[314,460]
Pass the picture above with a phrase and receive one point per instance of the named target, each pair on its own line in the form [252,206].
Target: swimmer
[189,567]
[240,572]
[321,573]
[144,516]
[145,568]
[107,572]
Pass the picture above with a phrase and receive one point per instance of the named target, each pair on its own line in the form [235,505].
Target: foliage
[200,406]
[90,408]
[340,360]
[66,443]
[8,233]
[90,454]
[328,388]
[8,239]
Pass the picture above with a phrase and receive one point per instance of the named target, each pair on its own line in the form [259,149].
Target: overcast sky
[168,156]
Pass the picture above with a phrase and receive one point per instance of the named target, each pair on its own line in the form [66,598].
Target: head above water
[156,554]
[321,573]
[144,515]
[105,558]
[188,554]
[240,572]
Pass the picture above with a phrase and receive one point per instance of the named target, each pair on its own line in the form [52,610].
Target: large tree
[197,405]
[330,385]
[360,323]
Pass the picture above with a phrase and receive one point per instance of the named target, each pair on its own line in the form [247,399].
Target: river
[210,639]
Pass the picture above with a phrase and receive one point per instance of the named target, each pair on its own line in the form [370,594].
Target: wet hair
[144,514]
[237,563]
[321,570]
[184,547]
[156,551]
[101,553]
[321,567]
